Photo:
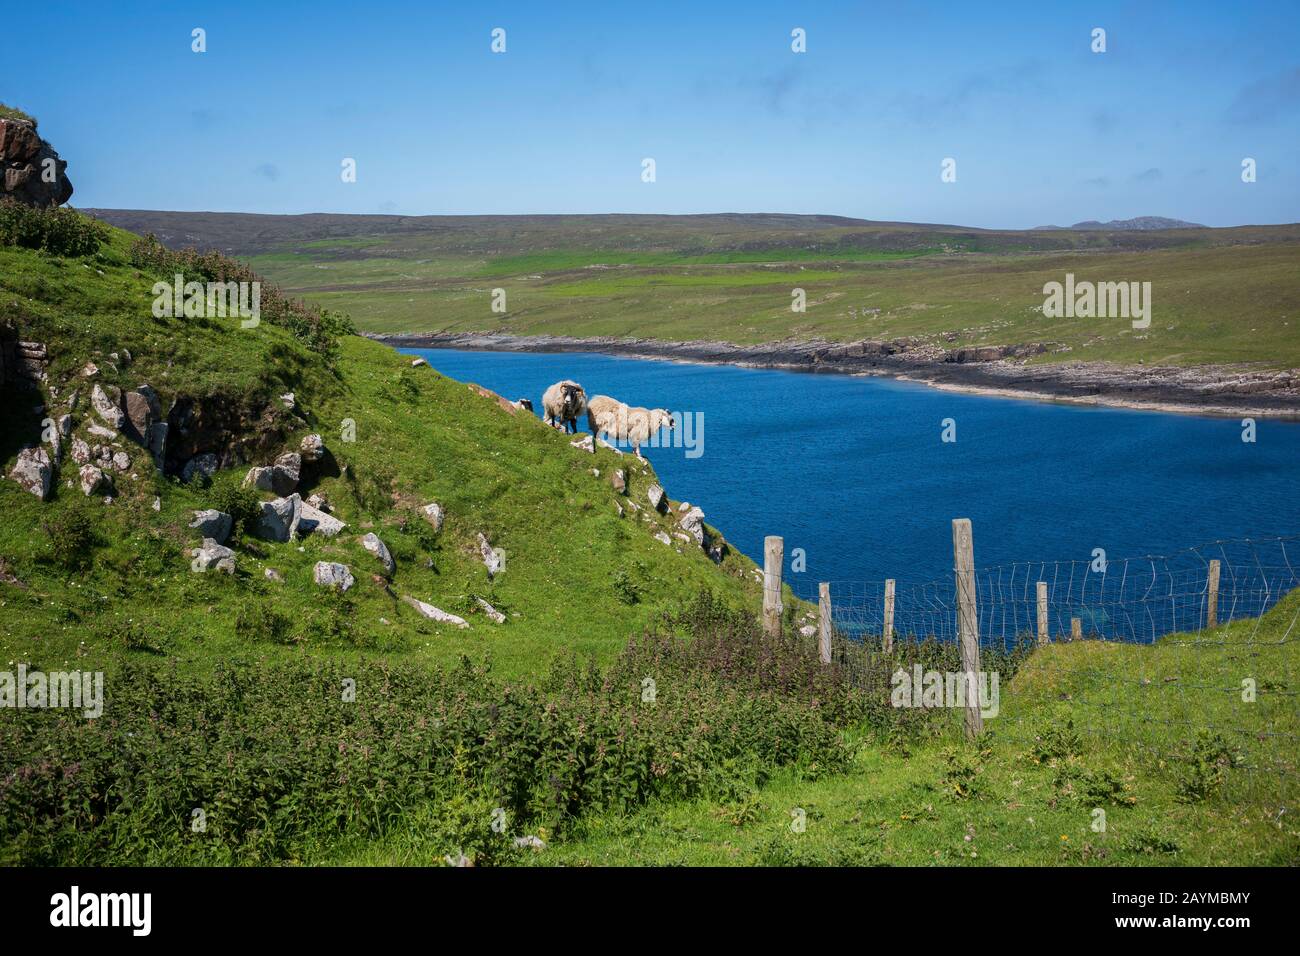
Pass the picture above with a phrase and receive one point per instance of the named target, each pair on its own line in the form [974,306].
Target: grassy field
[1184,777]
[1219,295]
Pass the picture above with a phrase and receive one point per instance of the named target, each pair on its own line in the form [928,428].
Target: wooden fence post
[773,556]
[1212,596]
[963,553]
[1043,636]
[1076,629]
[824,621]
[887,632]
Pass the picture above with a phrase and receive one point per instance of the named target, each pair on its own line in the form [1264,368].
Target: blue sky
[1043,130]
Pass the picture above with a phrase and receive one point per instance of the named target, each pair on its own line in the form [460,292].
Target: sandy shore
[1234,391]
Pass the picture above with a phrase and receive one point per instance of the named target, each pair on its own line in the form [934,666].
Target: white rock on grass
[313,448]
[279,519]
[92,480]
[375,546]
[492,613]
[213,555]
[213,524]
[80,452]
[107,405]
[312,520]
[259,477]
[434,514]
[33,472]
[662,536]
[692,522]
[658,500]
[285,473]
[435,614]
[585,443]
[329,574]
[492,557]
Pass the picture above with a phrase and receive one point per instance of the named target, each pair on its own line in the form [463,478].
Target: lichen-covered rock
[586,443]
[285,473]
[618,481]
[33,472]
[279,519]
[329,574]
[313,520]
[259,477]
[692,522]
[121,460]
[106,401]
[658,500]
[492,613]
[493,558]
[92,480]
[435,614]
[375,546]
[213,524]
[434,514]
[663,537]
[143,411]
[313,448]
[30,169]
[212,555]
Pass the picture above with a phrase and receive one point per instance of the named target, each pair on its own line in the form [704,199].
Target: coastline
[1218,390]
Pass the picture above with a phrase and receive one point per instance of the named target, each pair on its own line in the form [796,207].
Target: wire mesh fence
[1137,600]
[1173,656]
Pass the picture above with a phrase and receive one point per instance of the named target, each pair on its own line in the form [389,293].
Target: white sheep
[562,403]
[610,417]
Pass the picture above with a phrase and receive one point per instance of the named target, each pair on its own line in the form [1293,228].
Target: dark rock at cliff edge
[30,170]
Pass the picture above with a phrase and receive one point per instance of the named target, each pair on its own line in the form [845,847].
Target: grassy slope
[1139,708]
[506,475]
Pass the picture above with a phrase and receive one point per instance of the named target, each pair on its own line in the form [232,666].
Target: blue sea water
[854,471]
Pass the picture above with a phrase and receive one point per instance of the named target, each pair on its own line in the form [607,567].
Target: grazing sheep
[562,403]
[623,423]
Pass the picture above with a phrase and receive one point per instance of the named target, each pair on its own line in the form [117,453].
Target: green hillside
[578,577]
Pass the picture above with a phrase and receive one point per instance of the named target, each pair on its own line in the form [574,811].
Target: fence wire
[1221,693]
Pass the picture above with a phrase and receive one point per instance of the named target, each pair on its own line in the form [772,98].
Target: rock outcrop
[31,170]
[33,471]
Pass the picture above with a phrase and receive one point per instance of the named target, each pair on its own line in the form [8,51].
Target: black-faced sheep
[610,417]
[562,403]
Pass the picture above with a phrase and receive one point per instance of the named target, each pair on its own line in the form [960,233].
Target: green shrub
[60,231]
[258,621]
[71,536]
[244,505]
[1205,769]
[279,758]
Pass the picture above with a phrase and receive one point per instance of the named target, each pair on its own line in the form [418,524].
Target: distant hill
[1137,224]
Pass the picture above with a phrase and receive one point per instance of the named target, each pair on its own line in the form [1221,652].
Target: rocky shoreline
[995,370]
